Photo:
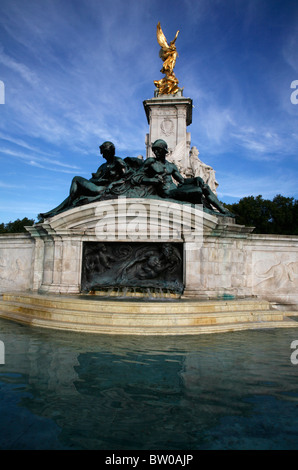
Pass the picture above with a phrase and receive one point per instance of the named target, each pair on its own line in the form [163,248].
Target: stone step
[133,318]
[153,330]
[81,303]
[141,318]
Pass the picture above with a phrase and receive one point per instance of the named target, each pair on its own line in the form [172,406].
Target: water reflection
[63,390]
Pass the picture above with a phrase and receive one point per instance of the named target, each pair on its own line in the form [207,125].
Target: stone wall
[262,266]
[16,262]
[274,267]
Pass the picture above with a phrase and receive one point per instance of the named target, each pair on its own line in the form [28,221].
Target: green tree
[284,215]
[279,216]
[18,226]
[253,212]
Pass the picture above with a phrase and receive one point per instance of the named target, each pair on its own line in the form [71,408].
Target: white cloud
[35,160]
[261,141]
[23,70]
[10,185]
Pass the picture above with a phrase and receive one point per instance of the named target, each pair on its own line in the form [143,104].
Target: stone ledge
[125,318]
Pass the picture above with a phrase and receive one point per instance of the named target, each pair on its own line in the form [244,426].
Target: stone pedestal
[59,241]
[168,117]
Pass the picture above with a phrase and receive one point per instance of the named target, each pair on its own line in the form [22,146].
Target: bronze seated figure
[133,177]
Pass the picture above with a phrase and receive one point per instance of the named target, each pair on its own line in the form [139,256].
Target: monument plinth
[168,117]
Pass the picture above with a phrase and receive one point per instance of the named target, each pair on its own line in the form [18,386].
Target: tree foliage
[18,226]
[279,216]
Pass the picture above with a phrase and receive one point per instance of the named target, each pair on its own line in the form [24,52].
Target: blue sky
[76,73]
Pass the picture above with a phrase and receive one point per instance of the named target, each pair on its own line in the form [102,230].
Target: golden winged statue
[168,54]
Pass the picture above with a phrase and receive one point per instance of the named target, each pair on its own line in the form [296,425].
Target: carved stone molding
[167,127]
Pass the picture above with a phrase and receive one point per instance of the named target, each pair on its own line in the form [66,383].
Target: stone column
[38,263]
[71,265]
[48,266]
[168,117]
[62,265]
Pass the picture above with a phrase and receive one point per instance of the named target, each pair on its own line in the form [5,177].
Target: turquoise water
[63,390]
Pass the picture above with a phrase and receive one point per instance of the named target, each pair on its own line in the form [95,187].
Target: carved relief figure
[150,263]
[279,277]
[137,265]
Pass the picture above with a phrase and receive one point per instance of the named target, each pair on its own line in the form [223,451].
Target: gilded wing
[161,39]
